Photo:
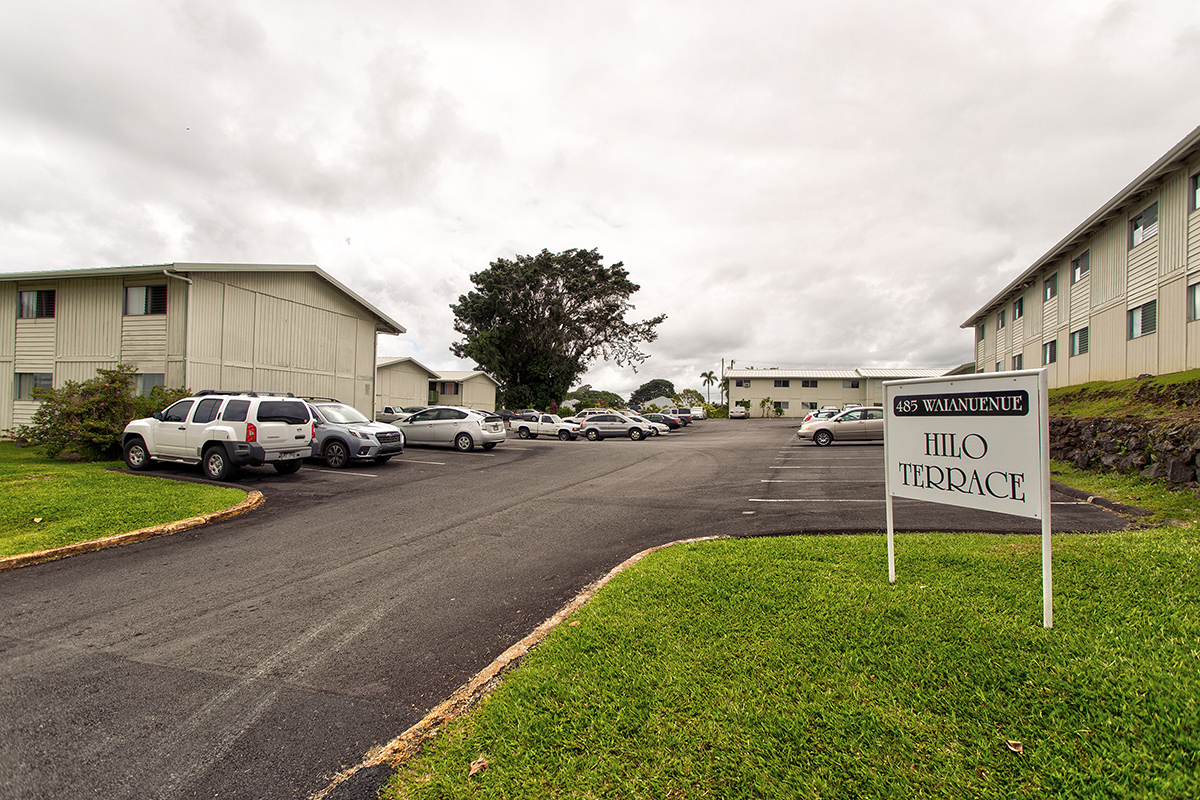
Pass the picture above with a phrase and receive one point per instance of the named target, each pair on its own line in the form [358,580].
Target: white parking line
[343,472]
[414,461]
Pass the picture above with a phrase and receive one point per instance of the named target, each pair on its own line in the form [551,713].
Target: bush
[85,420]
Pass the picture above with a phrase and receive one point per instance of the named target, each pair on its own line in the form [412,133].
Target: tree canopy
[536,323]
[585,397]
[652,389]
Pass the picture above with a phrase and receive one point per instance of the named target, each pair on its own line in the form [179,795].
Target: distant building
[795,392]
[407,382]
[1118,296]
[253,327]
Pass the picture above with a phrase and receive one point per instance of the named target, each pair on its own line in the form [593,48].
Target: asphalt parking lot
[256,657]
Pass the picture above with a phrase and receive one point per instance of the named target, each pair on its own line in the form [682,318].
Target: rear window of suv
[293,412]
[235,410]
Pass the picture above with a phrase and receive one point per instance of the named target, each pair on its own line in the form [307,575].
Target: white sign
[976,441]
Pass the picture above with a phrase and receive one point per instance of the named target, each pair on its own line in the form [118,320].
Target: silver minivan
[450,426]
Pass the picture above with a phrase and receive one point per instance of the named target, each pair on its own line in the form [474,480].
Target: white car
[656,428]
[739,412]
[698,413]
[450,426]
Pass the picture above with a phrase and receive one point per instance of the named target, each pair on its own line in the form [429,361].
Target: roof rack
[204,392]
[321,399]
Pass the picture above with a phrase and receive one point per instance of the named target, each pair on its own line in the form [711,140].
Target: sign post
[976,441]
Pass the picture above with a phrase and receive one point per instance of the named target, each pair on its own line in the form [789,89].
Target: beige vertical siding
[402,384]
[238,336]
[8,320]
[1172,224]
[1193,234]
[1109,262]
[1142,355]
[1081,302]
[480,393]
[1106,330]
[80,371]
[1172,319]
[88,312]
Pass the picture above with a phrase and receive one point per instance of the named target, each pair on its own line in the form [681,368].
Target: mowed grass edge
[789,667]
[48,503]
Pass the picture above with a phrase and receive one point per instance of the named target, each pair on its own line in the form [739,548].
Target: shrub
[85,420]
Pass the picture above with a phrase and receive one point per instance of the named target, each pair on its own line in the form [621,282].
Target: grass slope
[45,503]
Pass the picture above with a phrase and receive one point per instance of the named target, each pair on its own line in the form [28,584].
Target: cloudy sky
[793,183]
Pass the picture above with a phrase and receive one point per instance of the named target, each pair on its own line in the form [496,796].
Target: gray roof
[842,374]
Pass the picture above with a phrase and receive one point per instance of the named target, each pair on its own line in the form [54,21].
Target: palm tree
[710,378]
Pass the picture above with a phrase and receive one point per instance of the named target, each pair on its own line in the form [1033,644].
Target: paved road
[256,657]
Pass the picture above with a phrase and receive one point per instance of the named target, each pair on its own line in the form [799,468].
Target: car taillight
[251,432]
[312,433]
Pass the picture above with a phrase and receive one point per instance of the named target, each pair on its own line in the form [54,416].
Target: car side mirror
[157,415]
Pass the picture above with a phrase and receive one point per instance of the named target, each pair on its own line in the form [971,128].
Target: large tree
[652,389]
[537,322]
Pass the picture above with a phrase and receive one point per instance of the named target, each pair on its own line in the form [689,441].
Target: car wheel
[464,443]
[336,455]
[823,438]
[488,445]
[635,434]
[287,467]
[523,433]
[216,463]
[593,435]
[565,435]
[136,457]
[655,431]
[382,459]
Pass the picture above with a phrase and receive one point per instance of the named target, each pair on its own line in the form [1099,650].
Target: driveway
[256,657]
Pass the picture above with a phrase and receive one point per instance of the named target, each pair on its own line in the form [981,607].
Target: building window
[781,403]
[1050,352]
[809,406]
[808,384]
[145,383]
[1018,361]
[35,304]
[1081,266]
[742,383]
[980,332]
[449,387]
[1143,319]
[783,384]
[142,300]
[1193,302]
[1144,225]
[1079,342]
[1018,308]
[1194,193]
[849,384]
[998,365]
[1000,319]
[1050,287]
[28,381]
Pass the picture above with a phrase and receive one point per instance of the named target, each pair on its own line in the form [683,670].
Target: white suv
[222,431]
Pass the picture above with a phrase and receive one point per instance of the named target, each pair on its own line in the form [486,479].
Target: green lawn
[789,667]
[45,503]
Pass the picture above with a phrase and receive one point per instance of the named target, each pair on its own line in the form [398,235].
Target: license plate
[286,456]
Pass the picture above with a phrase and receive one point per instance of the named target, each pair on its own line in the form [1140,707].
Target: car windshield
[342,413]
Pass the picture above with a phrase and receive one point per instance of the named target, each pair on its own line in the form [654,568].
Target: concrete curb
[467,696]
[253,500]
[1097,500]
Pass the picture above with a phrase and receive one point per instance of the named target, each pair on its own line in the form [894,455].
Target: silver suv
[344,434]
[602,426]
[223,431]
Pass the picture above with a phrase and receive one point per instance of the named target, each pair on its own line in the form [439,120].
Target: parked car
[393,413]
[656,428]
[344,434]
[739,412]
[544,425]
[683,414]
[857,424]
[821,413]
[604,426]
[698,413]
[672,423]
[223,431]
[451,426]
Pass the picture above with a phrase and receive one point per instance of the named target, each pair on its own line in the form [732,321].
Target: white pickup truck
[531,426]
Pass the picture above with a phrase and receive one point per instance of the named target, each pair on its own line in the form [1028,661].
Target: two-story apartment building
[260,327]
[1118,296]
[404,381]
[795,392]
